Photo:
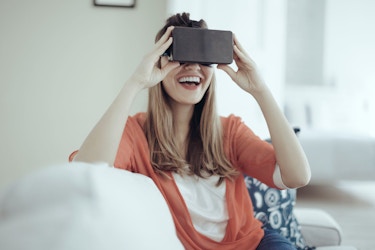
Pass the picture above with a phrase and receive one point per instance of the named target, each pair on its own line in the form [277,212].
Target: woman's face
[188,83]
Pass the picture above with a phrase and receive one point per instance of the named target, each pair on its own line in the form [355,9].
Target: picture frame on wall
[115,3]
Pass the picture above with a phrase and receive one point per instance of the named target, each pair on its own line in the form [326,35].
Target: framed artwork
[115,3]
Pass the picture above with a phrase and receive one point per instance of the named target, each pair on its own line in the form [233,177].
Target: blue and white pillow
[274,208]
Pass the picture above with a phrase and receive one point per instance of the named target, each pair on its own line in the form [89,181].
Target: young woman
[195,157]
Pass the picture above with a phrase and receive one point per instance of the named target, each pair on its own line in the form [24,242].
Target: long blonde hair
[205,152]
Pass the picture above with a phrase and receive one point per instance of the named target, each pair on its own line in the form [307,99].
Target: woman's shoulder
[230,121]
[234,125]
[135,123]
[137,119]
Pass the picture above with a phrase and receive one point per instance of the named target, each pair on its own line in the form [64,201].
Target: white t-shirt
[206,203]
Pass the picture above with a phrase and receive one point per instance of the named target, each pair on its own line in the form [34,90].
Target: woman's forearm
[102,143]
[293,163]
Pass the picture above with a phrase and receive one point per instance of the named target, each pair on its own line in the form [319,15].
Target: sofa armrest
[86,207]
[318,227]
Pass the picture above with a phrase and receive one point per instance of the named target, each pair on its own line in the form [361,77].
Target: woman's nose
[192,66]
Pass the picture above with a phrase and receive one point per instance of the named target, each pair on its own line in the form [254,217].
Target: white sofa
[336,126]
[82,206]
[336,156]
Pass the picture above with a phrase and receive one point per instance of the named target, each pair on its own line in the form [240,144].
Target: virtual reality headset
[203,46]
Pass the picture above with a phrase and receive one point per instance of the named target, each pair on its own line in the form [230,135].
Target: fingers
[237,43]
[240,55]
[239,51]
[165,36]
[164,42]
[227,69]
[161,49]
[169,67]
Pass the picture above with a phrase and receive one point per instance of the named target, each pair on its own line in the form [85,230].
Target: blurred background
[63,62]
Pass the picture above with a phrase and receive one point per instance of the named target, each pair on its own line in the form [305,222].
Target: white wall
[350,63]
[345,101]
[62,63]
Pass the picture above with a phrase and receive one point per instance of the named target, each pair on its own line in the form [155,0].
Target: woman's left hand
[246,75]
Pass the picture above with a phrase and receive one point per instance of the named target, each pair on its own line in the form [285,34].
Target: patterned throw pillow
[274,208]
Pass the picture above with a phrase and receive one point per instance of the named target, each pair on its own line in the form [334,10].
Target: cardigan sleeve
[125,154]
[247,152]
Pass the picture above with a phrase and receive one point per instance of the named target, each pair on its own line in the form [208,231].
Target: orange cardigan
[244,149]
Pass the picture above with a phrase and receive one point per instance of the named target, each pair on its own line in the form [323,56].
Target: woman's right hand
[148,73]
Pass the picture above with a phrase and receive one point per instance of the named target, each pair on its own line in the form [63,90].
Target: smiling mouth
[190,80]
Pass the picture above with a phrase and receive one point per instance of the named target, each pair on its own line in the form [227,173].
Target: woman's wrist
[261,93]
[132,86]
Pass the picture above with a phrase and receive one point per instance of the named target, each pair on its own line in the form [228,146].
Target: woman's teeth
[190,80]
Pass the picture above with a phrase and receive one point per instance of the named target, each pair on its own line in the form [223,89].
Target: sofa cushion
[274,208]
[318,227]
[83,206]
